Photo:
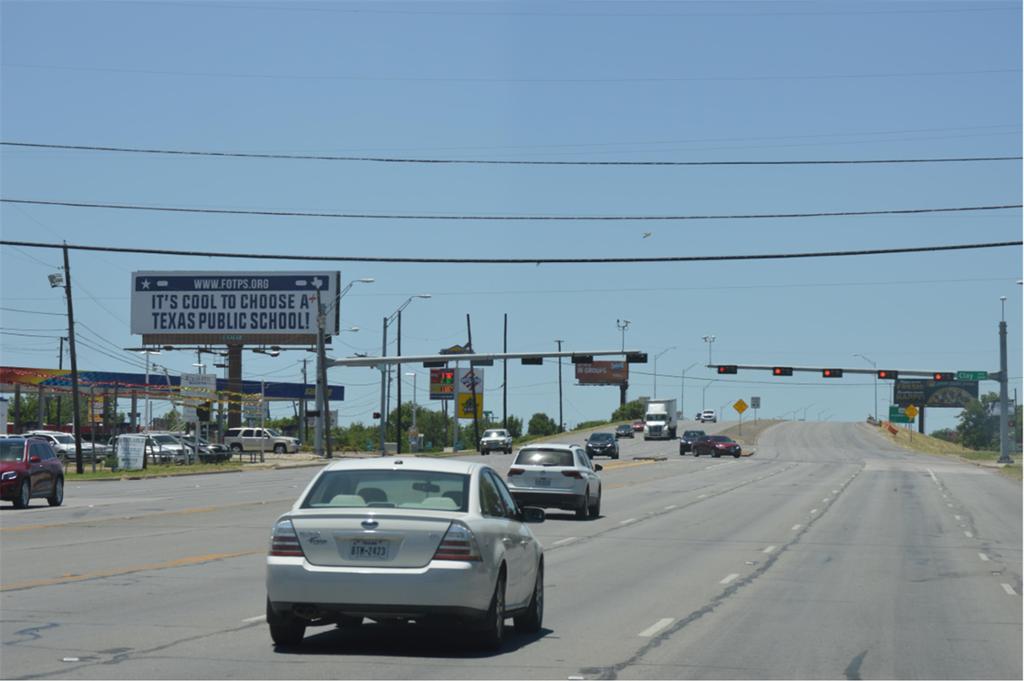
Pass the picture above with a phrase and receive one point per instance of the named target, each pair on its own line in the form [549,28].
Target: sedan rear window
[544,457]
[601,437]
[413,490]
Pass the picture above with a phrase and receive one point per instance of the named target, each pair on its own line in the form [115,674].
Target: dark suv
[687,440]
[602,444]
[29,468]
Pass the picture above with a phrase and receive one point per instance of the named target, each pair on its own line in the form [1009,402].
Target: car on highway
[706,416]
[260,439]
[687,439]
[29,469]
[602,444]
[556,476]
[496,439]
[638,426]
[624,430]
[716,446]
[406,538]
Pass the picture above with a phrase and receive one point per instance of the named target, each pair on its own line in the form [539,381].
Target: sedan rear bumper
[568,501]
[441,587]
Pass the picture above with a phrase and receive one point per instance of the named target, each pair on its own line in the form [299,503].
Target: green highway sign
[972,375]
[897,415]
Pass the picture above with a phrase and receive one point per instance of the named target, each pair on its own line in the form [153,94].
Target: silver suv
[259,440]
[707,415]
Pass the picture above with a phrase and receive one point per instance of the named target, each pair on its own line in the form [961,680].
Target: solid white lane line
[768,549]
[730,578]
[563,541]
[656,628]
[968,535]
[258,618]
[797,527]
[983,557]
[1009,590]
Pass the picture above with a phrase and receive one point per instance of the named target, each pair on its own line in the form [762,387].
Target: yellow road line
[615,465]
[177,562]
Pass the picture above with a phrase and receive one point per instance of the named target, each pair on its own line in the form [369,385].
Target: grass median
[152,471]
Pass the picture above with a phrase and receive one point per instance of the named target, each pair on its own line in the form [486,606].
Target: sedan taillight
[284,541]
[573,474]
[515,471]
[458,544]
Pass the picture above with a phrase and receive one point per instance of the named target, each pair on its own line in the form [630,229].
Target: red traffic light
[376,414]
[943,376]
[888,373]
[832,373]
[727,368]
[782,371]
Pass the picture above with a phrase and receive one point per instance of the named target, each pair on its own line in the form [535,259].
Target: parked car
[688,438]
[556,476]
[638,426]
[708,415]
[405,539]
[625,430]
[63,445]
[30,468]
[496,439]
[716,445]
[260,439]
[602,444]
[209,452]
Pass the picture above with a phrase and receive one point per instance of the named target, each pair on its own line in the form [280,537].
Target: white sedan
[405,539]
[556,475]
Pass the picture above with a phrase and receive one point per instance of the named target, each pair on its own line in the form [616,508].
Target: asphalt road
[828,554]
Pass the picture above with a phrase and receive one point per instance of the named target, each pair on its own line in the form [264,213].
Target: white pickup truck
[496,439]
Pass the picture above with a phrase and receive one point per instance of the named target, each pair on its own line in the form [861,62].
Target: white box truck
[660,420]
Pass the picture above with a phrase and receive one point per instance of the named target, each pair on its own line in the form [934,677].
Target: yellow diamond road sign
[740,406]
[911,412]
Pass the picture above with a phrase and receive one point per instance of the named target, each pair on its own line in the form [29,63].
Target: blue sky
[579,81]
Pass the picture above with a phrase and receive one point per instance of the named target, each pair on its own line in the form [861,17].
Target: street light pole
[623,324]
[385,372]
[874,366]
[704,393]
[682,390]
[655,388]
[561,423]
[709,340]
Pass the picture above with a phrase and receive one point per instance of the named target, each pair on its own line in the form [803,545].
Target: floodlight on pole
[709,339]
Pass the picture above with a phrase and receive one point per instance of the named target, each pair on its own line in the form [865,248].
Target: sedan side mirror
[533,514]
[598,467]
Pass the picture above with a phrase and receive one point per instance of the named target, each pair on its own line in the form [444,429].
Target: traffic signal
[636,357]
[376,414]
[831,373]
[582,359]
[727,368]
[782,371]
[888,373]
[944,376]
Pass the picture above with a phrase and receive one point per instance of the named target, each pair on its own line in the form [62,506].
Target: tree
[978,429]
[542,424]
[630,411]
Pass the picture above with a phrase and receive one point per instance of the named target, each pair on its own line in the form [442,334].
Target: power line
[508,261]
[456,161]
[508,218]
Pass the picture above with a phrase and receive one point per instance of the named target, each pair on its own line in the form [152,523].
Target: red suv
[30,468]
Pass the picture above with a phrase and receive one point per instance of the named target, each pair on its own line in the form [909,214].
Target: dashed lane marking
[969,535]
[656,628]
[257,618]
[730,578]
[796,527]
[561,542]
[670,507]
[1009,590]
[768,549]
[983,557]
[813,511]
[627,521]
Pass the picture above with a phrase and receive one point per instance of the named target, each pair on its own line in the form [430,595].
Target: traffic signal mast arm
[631,356]
[902,373]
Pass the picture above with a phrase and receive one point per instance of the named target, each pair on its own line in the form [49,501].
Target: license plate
[369,549]
[543,482]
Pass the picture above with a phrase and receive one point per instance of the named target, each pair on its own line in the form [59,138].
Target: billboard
[442,384]
[929,393]
[232,307]
[603,373]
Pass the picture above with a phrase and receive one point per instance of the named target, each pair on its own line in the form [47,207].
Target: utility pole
[75,416]
[561,423]
[1004,398]
[383,353]
[302,404]
[398,388]
[472,383]
[323,427]
[504,379]
[60,365]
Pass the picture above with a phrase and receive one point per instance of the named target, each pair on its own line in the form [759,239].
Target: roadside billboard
[929,393]
[232,307]
[603,373]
